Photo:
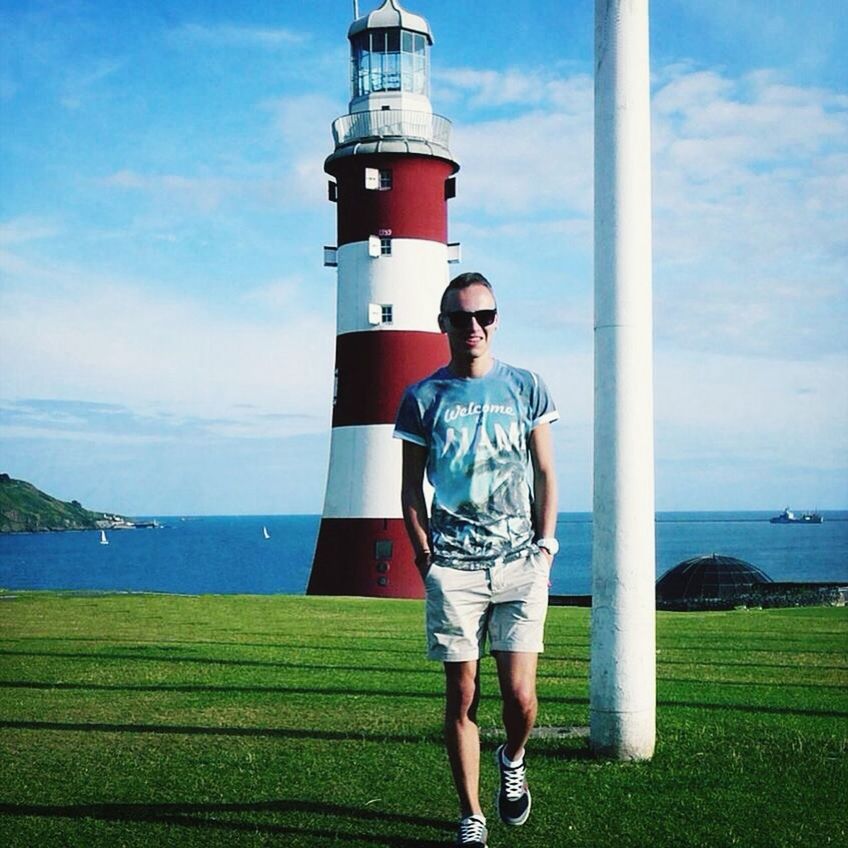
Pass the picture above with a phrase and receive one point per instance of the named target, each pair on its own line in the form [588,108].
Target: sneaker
[472,832]
[513,798]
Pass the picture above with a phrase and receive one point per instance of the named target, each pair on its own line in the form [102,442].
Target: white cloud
[299,135]
[70,333]
[488,88]
[721,406]
[278,294]
[26,228]
[232,35]
[750,198]
[80,83]
[303,123]
[203,193]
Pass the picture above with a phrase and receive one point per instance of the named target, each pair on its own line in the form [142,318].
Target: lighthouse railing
[392,123]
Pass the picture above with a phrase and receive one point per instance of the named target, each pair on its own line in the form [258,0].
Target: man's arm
[544,481]
[414,505]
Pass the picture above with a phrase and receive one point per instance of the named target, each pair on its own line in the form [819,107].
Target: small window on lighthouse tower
[386,313]
[385,247]
[385,179]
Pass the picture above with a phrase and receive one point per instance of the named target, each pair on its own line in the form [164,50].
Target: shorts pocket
[543,561]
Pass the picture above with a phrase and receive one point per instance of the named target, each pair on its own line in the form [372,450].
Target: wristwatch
[551,545]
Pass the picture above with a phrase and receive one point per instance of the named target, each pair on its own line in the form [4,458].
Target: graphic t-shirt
[477,434]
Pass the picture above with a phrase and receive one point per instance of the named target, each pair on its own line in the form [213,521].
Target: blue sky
[166,324]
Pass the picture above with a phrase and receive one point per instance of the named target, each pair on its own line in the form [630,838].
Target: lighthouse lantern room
[392,174]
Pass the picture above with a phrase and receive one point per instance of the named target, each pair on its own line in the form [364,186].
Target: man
[476,426]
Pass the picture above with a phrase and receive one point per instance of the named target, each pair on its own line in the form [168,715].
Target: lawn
[158,720]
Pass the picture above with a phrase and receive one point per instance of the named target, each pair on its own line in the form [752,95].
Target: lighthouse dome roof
[390,16]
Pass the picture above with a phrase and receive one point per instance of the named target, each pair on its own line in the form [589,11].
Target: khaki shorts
[507,602]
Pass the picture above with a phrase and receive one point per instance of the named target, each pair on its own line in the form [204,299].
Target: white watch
[550,545]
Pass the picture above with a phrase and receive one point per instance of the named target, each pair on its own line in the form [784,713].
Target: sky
[167,327]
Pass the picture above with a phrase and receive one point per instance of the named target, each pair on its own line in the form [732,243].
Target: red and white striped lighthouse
[392,175]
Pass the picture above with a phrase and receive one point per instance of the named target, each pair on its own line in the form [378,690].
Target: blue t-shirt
[477,434]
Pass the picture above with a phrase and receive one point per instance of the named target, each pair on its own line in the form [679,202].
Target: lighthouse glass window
[414,63]
[389,60]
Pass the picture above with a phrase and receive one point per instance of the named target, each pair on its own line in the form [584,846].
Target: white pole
[623,654]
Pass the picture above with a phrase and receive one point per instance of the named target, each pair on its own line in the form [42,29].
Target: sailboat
[265,533]
[103,539]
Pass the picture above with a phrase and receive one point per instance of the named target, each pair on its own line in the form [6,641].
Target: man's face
[473,341]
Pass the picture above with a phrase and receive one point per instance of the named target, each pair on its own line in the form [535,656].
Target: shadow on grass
[729,664]
[137,657]
[195,688]
[775,684]
[382,693]
[430,668]
[756,708]
[701,648]
[197,730]
[199,816]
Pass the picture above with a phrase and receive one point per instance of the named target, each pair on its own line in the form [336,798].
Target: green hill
[25,509]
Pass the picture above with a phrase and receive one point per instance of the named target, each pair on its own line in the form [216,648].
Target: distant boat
[103,539]
[789,517]
[265,533]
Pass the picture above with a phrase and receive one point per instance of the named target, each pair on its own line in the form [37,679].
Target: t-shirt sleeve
[408,424]
[543,408]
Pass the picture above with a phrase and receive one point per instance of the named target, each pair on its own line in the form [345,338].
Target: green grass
[156,720]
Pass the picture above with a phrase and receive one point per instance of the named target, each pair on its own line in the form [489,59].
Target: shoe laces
[472,829]
[513,780]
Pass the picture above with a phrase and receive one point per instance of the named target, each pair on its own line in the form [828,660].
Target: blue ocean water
[229,554]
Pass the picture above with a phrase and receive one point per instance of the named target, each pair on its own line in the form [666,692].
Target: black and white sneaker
[513,798]
[472,832]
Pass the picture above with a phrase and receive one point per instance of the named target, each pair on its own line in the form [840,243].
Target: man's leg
[517,678]
[462,738]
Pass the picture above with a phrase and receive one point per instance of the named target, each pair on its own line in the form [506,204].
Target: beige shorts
[506,602]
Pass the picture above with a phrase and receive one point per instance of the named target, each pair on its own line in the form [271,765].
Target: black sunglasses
[460,320]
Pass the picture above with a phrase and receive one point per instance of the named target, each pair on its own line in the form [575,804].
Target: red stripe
[375,367]
[415,206]
[347,562]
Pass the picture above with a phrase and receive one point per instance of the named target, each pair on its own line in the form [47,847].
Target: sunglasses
[460,320]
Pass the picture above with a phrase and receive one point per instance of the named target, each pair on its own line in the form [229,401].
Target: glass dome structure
[388,52]
[709,576]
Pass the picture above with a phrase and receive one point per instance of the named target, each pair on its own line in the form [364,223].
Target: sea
[230,554]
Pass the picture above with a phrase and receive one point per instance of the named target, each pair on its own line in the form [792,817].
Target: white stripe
[412,280]
[364,476]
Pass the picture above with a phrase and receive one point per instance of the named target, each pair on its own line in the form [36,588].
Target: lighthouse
[391,176]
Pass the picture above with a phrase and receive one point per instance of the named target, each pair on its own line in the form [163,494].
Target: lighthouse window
[385,247]
[385,179]
[388,60]
[386,313]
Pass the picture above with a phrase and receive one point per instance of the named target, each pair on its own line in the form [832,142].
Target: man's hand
[422,563]
[548,554]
